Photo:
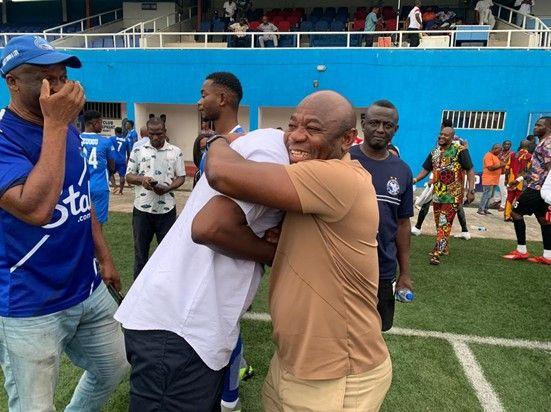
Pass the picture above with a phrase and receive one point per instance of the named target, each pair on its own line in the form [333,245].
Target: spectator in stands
[392,180]
[244,7]
[448,162]
[371,25]
[54,302]
[267,26]
[519,164]
[530,201]
[484,15]
[505,155]
[327,249]
[490,177]
[525,8]
[414,22]
[122,152]
[157,168]
[100,157]
[131,134]
[240,39]
[230,8]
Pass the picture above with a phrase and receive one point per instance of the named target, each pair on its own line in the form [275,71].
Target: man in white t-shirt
[525,8]
[230,7]
[181,316]
[414,22]
[484,14]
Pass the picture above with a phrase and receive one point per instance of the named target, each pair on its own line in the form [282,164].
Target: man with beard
[449,162]
[323,285]
[392,180]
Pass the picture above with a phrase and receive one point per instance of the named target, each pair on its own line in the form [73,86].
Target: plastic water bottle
[404,295]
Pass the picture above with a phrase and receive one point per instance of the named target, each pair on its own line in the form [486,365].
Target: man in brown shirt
[330,355]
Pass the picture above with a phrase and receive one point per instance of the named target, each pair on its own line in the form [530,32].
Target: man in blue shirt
[131,133]
[392,179]
[122,152]
[52,298]
[100,158]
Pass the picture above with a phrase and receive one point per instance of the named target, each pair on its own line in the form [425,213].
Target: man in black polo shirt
[392,179]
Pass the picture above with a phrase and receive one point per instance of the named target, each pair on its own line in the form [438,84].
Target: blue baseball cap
[33,50]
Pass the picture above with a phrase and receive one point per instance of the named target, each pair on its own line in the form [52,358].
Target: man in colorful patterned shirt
[448,163]
[518,166]
[530,201]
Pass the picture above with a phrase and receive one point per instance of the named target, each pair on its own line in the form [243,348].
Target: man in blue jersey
[392,179]
[131,133]
[52,298]
[122,152]
[100,158]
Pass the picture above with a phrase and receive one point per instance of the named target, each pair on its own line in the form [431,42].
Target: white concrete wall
[134,14]
[182,122]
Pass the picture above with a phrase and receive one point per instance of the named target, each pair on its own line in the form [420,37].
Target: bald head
[322,127]
[525,144]
[143,131]
[334,107]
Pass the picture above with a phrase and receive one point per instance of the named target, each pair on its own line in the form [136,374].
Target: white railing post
[206,40]
[252,40]
[400,39]
[99,19]
[85,41]
[348,40]
[161,40]
[509,38]
[155,26]
[82,25]
[298,40]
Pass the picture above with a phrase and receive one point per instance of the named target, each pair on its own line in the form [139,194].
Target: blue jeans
[487,194]
[31,349]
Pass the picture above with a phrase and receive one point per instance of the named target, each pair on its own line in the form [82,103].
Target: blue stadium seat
[342,18]
[337,26]
[97,43]
[218,26]
[306,26]
[288,40]
[319,40]
[205,26]
[108,42]
[119,42]
[328,19]
[322,25]
[342,11]
[313,19]
[317,11]
[330,12]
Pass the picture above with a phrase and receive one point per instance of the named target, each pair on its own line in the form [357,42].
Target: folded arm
[256,182]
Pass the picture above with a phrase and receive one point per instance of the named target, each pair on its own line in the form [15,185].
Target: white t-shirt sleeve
[546,189]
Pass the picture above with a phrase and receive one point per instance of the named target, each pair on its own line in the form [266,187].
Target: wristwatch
[214,138]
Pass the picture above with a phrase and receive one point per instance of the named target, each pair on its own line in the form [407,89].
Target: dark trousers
[145,226]
[425,210]
[168,375]
[413,39]
[386,303]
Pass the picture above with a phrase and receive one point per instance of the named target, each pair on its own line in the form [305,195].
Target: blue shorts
[120,168]
[100,201]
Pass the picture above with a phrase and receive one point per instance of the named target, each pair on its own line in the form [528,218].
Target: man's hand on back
[64,106]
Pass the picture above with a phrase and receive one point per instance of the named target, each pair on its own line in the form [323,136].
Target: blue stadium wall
[420,83]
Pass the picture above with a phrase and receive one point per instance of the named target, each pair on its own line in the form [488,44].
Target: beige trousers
[364,392]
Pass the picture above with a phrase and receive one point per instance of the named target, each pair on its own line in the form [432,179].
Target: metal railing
[524,21]
[87,22]
[160,23]
[433,39]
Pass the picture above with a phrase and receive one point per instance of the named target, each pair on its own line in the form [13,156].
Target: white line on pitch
[511,343]
[485,393]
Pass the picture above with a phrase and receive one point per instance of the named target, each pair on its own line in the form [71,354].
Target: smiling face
[319,129]
[445,137]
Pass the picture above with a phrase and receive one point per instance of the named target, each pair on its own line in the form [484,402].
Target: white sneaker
[463,235]
[415,231]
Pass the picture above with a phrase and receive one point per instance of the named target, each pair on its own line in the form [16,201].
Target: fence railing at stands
[153,25]
[434,39]
[86,23]
[524,21]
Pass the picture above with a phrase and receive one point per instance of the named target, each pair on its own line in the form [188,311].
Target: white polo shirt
[192,291]
[413,23]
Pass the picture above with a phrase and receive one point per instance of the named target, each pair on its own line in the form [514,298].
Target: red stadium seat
[388,13]
[390,24]
[284,25]
[359,25]
[253,25]
[300,11]
[277,19]
[360,15]
[294,20]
